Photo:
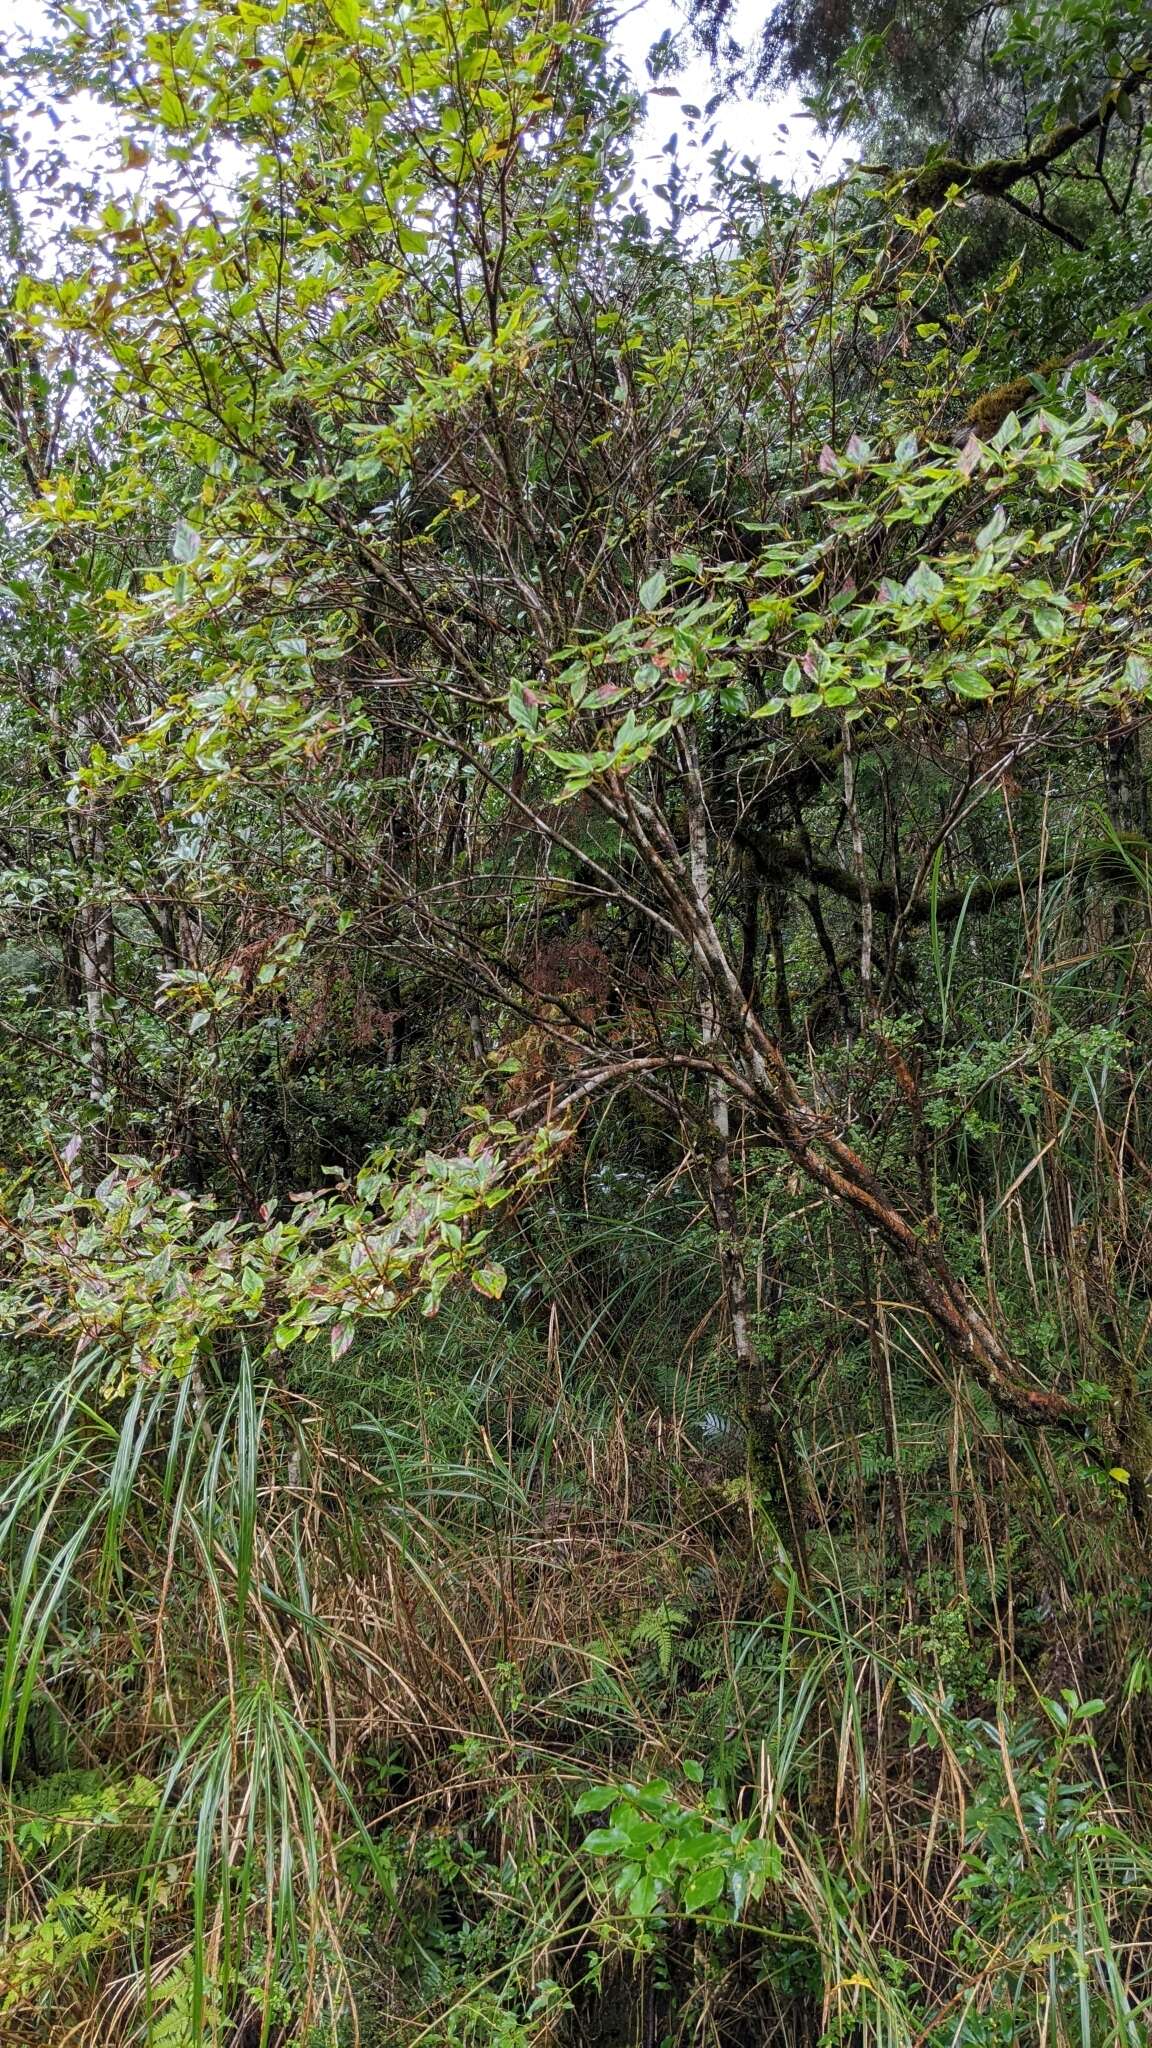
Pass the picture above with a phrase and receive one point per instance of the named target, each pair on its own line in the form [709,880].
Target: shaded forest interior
[575,1003]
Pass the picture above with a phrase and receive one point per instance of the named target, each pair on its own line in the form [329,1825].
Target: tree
[577,669]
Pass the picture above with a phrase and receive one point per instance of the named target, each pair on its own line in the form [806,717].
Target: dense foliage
[575,980]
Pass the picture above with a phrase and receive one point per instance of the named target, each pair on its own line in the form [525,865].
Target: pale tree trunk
[856,834]
[769,1465]
[95,940]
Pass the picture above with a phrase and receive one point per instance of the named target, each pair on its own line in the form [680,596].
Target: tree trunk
[768,1461]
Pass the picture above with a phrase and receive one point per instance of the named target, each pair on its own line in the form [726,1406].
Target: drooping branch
[760,1073]
[777,859]
[997,176]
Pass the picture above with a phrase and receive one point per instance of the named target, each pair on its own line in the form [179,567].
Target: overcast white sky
[773,133]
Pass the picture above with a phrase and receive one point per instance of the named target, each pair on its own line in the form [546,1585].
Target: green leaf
[993,528]
[595,1799]
[185,542]
[653,590]
[605,1842]
[641,1834]
[704,1888]
[925,584]
[968,682]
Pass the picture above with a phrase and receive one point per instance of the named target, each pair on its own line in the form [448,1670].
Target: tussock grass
[367,1669]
